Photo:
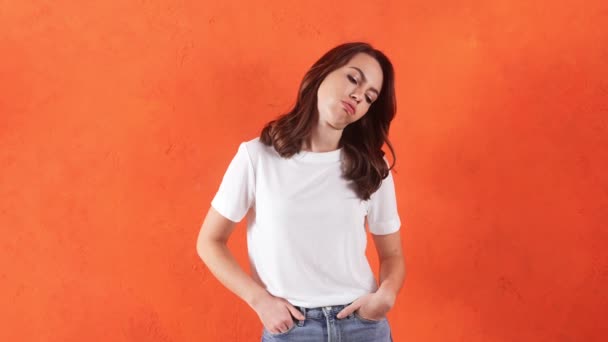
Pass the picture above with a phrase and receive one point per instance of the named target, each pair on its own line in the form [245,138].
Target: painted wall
[119,118]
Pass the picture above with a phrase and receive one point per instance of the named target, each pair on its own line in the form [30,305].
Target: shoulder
[255,148]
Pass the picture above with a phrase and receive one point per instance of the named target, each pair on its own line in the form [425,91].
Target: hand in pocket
[276,314]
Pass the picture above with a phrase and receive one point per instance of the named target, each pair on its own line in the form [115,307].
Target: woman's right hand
[276,313]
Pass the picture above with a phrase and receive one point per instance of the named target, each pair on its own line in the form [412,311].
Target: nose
[355,97]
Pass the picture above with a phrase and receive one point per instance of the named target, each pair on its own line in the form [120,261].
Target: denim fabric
[322,325]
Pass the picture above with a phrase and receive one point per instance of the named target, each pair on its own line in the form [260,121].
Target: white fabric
[306,228]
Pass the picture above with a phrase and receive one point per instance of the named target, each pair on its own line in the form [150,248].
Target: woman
[307,186]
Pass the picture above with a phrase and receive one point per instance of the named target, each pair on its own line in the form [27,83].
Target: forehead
[369,66]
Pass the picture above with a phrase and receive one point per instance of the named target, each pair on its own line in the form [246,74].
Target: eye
[352,79]
[369,99]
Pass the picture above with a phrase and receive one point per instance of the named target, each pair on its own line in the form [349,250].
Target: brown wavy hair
[361,140]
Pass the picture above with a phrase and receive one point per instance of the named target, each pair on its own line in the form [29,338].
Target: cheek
[327,100]
[322,96]
[323,103]
[362,111]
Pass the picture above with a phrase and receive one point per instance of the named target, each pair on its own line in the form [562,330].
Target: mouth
[349,108]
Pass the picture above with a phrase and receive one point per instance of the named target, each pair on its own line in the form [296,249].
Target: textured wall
[118,119]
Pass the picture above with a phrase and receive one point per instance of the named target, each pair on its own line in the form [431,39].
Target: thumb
[295,312]
[348,310]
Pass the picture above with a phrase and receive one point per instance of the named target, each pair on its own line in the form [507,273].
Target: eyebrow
[365,79]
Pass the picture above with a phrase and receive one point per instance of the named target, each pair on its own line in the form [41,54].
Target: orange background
[119,118]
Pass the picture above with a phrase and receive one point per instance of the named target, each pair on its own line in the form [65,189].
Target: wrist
[387,295]
[257,296]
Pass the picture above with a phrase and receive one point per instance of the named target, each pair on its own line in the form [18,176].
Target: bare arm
[211,247]
[392,275]
[392,264]
[274,312]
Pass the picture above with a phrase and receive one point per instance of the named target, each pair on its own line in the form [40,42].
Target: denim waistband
[323,311]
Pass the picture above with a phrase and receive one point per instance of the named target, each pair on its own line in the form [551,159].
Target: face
[346,93]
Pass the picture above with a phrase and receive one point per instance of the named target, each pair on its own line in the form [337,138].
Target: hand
[372,306]
[276,313]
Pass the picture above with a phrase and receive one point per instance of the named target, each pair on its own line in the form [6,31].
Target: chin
[341,122]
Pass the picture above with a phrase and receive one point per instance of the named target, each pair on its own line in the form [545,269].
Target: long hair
[361,140]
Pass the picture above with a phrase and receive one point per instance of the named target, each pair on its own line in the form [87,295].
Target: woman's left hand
[373,306]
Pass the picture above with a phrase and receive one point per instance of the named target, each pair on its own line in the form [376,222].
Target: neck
[323,138]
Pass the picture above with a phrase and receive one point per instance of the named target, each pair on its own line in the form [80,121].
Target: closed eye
[354,81]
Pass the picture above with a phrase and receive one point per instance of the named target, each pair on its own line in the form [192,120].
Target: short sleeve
[237,190]
[382,215]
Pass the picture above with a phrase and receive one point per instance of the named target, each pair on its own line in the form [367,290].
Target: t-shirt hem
[385,228]
[218,207]
[319,304]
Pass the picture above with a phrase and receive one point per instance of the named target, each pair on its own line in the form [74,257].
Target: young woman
[308,184]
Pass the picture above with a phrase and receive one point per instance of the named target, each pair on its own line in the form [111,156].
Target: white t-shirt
[305,226]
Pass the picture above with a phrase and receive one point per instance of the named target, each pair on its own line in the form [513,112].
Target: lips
[349,107]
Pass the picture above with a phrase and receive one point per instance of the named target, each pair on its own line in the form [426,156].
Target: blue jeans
[322,325]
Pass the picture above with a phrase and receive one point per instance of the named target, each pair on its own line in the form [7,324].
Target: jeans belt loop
[303,311]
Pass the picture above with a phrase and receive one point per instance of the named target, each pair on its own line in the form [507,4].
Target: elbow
[202,249]
[207,248]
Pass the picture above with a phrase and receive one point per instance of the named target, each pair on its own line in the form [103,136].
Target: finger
[295,312]
[348,310]
[280,328]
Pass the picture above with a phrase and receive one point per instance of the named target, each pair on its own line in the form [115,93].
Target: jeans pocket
[295,324]
[366,320]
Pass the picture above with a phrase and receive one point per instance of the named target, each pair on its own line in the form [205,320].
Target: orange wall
[119,118]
